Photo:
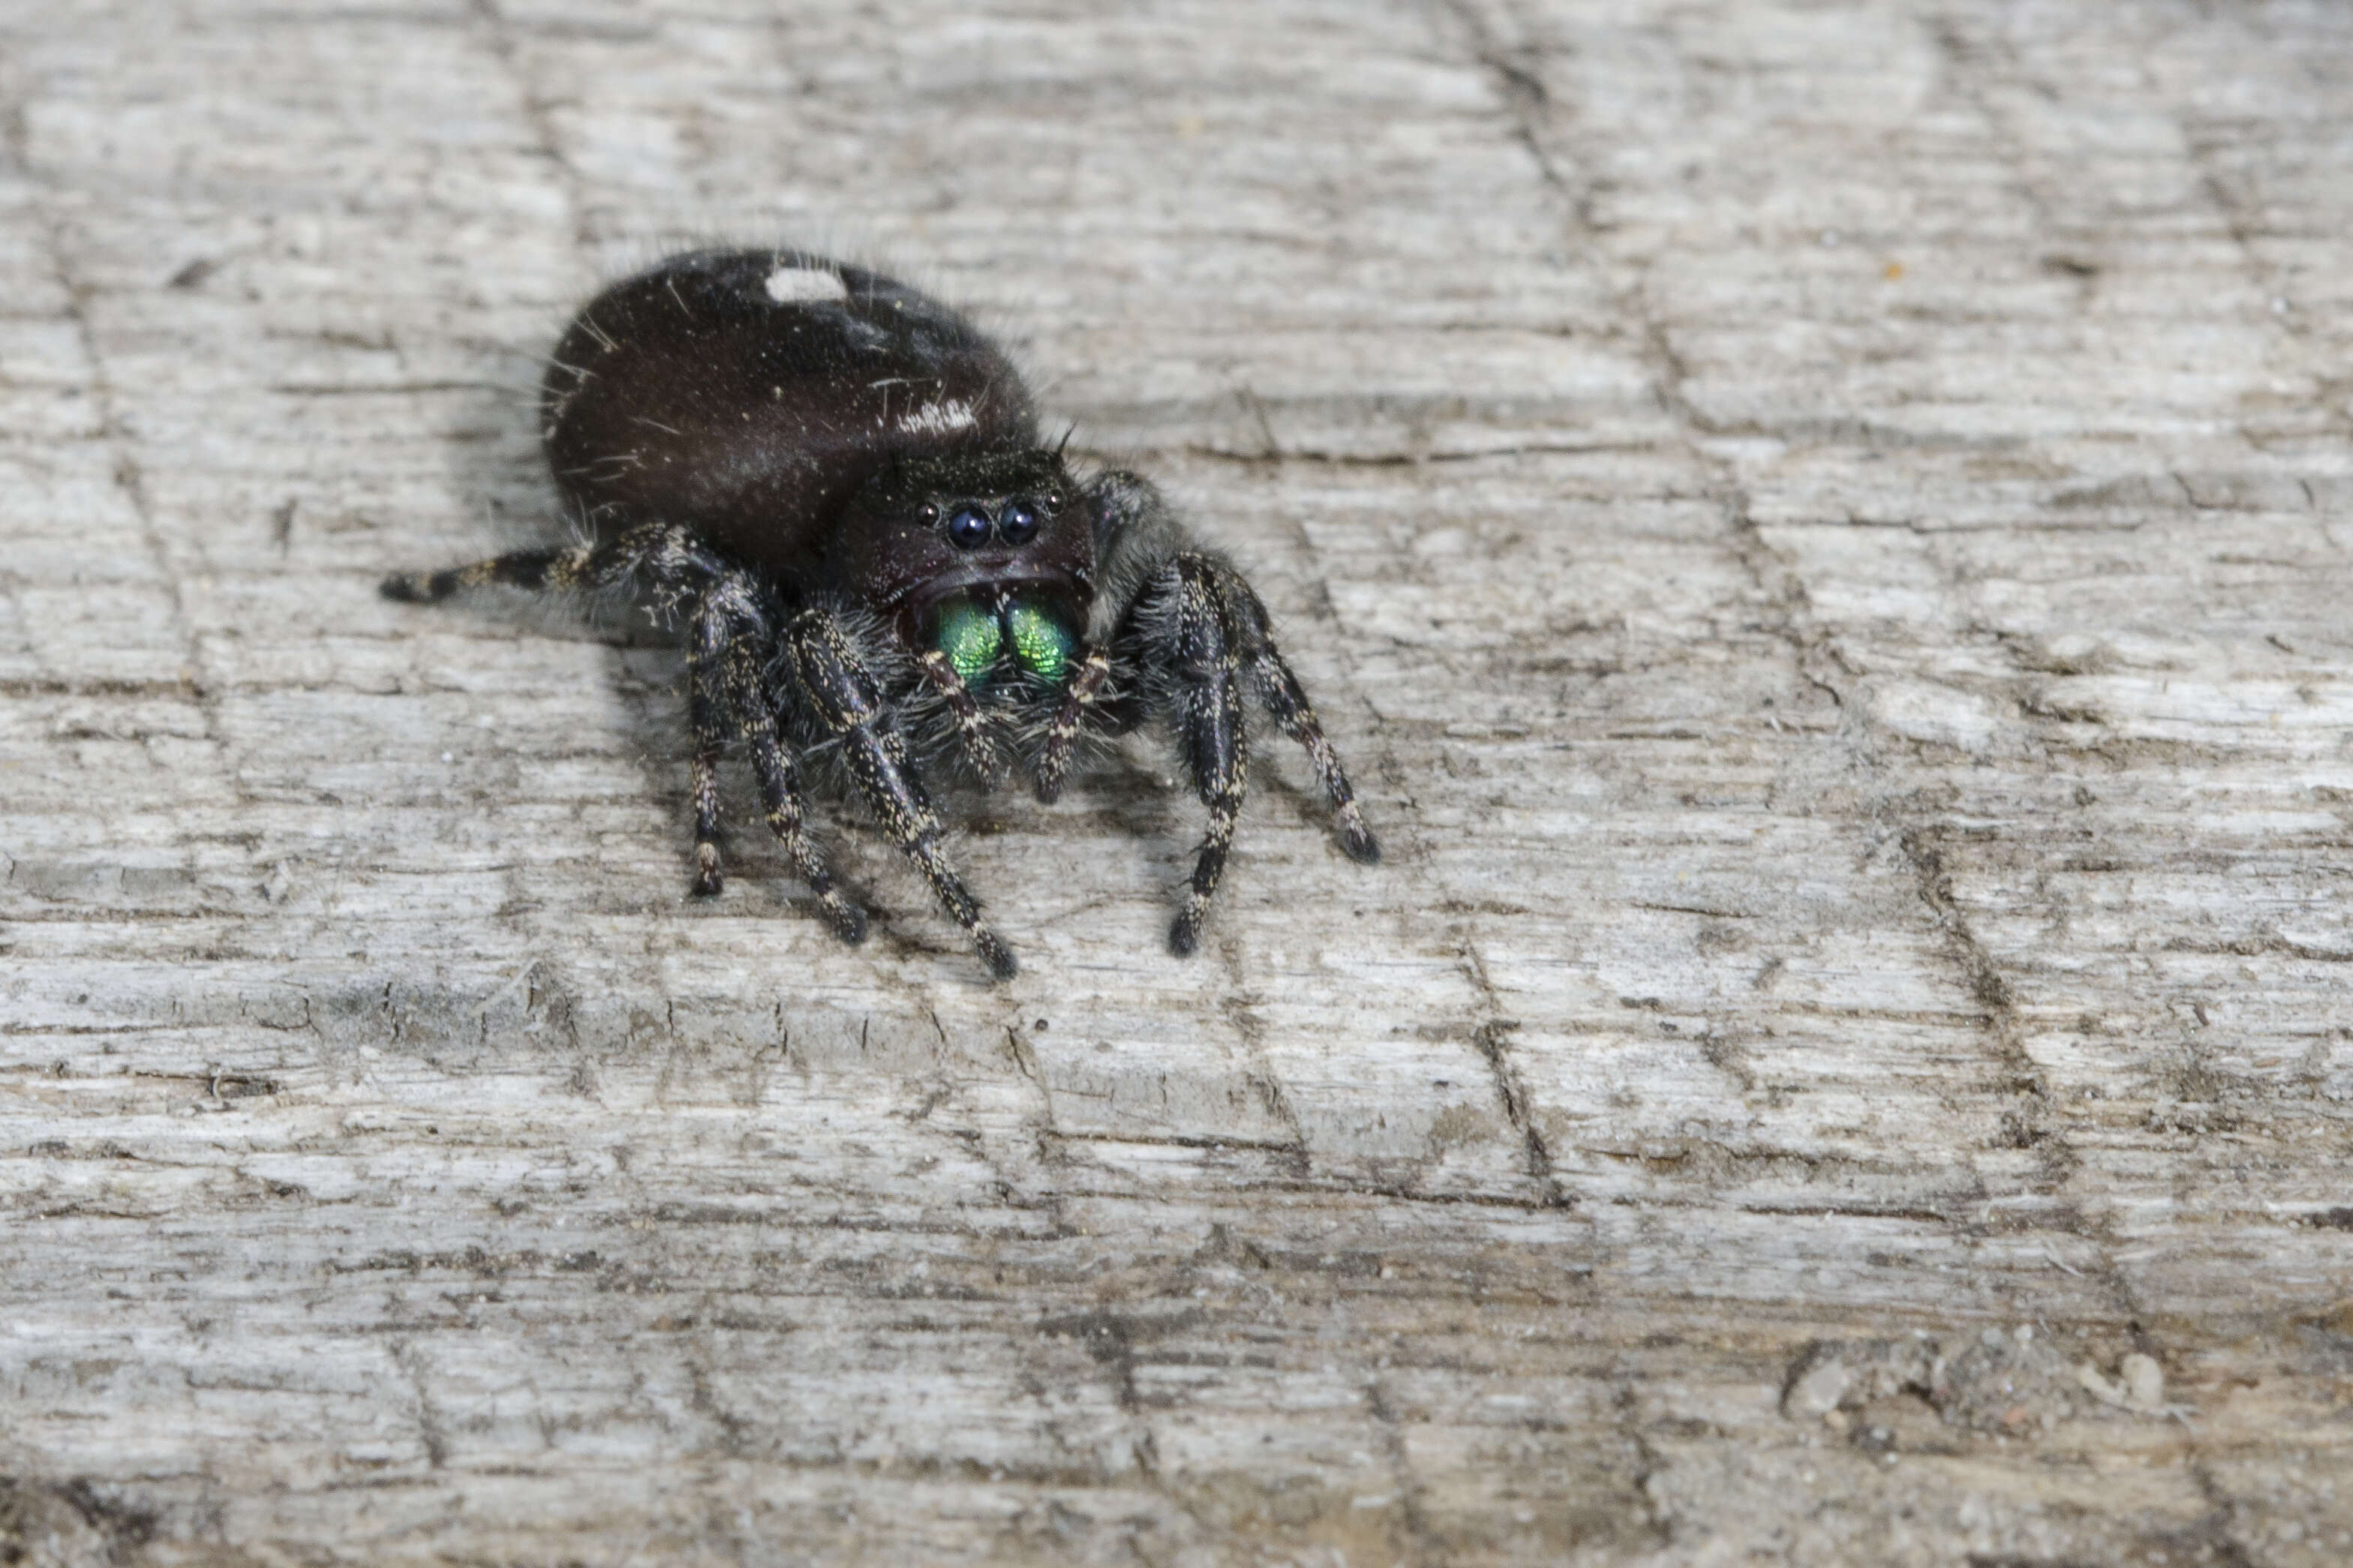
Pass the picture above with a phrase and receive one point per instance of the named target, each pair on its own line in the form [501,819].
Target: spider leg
[978,752]
[672,558]
[523,569]
[724,666]
[1285,700]
[1202,644]
[845,698]
[708,722]
[728,697]
[1054,763]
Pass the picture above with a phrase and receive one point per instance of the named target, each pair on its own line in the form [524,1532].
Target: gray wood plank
[1821,530]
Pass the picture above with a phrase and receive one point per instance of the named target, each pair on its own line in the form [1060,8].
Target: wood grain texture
[1822,529]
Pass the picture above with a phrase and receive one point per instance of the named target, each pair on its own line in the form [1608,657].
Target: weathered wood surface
[1822,527]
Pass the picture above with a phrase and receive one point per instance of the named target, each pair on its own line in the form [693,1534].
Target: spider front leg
[972,729]
[1197,644]
[846,699]
[726,654]
[728,643]
[1286,702]
[710,739]
[1054,762]
[1201,626]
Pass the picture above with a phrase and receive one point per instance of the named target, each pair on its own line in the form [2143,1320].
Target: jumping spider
[836,485]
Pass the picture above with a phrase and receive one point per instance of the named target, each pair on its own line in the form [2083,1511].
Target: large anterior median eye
[1041,641]
[971,638]
[1019,521]
[968,527]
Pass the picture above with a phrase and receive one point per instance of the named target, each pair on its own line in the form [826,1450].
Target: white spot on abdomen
[790,285]
[937,418]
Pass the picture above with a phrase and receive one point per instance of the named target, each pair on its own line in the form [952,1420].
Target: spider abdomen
[749,393]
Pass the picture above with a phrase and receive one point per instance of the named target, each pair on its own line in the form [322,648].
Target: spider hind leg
[1200,650]
[731,618]
[1202,634]
[1285,701]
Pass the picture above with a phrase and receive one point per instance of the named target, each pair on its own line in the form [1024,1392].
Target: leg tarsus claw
[849,922]
[1002,964]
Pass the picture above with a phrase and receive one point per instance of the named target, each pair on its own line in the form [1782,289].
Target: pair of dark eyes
[1015,522]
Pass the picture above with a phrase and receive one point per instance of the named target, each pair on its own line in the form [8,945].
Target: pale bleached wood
[1822,529]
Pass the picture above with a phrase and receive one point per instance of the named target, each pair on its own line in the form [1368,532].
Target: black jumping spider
[836,485]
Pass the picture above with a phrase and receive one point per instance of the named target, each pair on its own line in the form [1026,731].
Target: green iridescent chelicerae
[974,639]
[971,638]
[1041,641]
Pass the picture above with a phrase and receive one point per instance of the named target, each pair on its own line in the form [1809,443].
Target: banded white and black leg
[672,560]
[1203,654]
[1091,667]
[841,693]
[677,566]
[730,639]
[707,716]
[782,797]
[531,569]
[972,728]
[728,648]
[1285,701]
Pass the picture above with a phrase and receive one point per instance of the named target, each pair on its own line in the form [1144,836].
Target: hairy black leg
[780,796]
[1054,763]
[1209,728]
[673,561]
[677,566]
[710,725]
[979,752]
[1280,692]
[841,693]
[523,569]
[730,640]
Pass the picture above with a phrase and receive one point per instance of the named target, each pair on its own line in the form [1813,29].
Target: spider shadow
[1132,799]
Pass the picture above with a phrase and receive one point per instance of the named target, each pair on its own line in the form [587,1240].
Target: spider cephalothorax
[837,486]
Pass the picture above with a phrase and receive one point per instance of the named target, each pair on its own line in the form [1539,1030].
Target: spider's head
[976,553]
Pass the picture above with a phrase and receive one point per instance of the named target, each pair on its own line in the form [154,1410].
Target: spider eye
[930,512]
[968,527]
[1020,523]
